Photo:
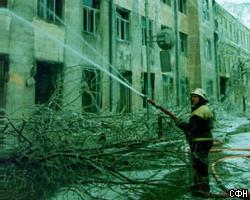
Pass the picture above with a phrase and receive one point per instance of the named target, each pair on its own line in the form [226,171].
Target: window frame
[145,39]
[182,6]
[125,101]
[122,24]
[43,11]
[91,19]
[95,88]
[208,49]
[183,39]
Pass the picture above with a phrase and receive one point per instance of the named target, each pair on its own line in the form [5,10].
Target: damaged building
[232,41]
[61,53]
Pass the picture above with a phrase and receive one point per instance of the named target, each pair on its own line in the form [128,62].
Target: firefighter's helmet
[200,92]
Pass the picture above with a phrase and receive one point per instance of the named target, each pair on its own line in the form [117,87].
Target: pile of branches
[81,154]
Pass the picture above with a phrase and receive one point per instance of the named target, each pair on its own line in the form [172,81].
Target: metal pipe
[111,52]
[177,52]
[148,84]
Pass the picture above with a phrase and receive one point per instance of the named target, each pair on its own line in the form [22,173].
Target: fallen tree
[55,150]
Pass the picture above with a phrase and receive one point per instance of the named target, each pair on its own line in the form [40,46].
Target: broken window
[124,105]
[183,44]
[205,9]
[3,3]
[90,15]
[91,90]
[3,79]
[145,39]
[182,6]
[50,10]
[122,24]
[48,87]
[207,49]
[145,86]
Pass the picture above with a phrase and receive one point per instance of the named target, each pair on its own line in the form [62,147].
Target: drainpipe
[148,56]
[176,24]
[111,51]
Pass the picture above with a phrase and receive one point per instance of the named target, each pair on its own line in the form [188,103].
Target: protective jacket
[198,130]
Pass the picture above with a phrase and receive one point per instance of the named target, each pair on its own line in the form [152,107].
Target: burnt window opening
[122,24]
[145,86]
[146,39]
[51,10]
[90,15]
[124,105]
[183,44]
[49,84]
[182,6]
[91,90]
[3,3]
[4,68]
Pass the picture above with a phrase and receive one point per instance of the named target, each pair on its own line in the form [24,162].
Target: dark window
[3,79]
[4,3]
[168,2]
[90,15]
[182,6]
[50,10]
[207,50]
[145,86]
[124,105]
[122,24]
[48,87]
[223,87]
[183,44]
[145,39]
[92,3]
[91,91]
[165,59]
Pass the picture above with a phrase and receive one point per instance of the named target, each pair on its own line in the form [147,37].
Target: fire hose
[213,165]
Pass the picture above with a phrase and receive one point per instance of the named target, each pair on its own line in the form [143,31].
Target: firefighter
[199,137]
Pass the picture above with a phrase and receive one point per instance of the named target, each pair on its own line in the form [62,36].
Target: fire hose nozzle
[151,101]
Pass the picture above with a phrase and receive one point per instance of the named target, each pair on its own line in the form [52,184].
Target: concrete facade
[85,41]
